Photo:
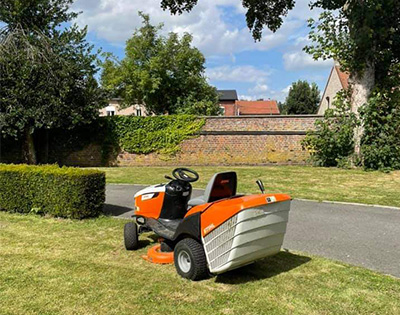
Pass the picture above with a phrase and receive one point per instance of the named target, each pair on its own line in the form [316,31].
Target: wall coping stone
[262,116]
[252,133]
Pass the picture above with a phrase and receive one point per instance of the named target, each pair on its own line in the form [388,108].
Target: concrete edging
[349,203]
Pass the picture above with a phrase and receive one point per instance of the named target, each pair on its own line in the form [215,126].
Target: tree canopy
[359,34]
[260,13]
[46,71]
[165,73]
[303,98]
[41,15]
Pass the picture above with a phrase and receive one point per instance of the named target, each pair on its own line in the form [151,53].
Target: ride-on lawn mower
[214,233]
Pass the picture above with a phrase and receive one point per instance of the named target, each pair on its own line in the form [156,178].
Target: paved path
[359,235]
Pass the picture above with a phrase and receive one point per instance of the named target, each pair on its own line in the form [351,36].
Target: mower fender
[190,226]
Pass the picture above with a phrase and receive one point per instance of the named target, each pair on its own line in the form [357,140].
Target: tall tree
[282,108]
[46,70]
[303,98]
[367,45]
[165,73]
[363,35]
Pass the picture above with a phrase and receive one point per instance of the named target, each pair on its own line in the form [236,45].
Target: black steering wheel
[181,173]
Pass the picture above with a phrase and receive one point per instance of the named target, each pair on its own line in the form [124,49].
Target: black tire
[166,247]
[131,237]
[190,260]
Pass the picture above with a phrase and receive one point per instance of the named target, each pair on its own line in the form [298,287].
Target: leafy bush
[63,192]
[332,142]
[380,144]
[143,135]
[192,106]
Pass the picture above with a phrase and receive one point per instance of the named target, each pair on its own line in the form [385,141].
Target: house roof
[269,107]
[227,95]
[343,77]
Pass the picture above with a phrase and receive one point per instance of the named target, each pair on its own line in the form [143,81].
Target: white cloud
[280,95]
[262,91]
[259,88]
[218,36]
[244,97]
[286,89]
[237,74]
[296,59]
[299,60]
[115,21]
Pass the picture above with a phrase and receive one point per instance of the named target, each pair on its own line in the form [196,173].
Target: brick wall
[237,141]
[261,123]
[229,107]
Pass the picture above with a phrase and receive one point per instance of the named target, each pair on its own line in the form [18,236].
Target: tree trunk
[29,147]
[362,85]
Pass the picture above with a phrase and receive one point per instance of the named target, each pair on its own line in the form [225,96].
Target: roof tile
[269,107]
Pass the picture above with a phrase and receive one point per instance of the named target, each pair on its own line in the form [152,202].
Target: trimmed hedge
[62,192]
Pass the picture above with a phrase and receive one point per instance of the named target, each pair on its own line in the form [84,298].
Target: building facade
[227,100]
[114,108]
[337,81]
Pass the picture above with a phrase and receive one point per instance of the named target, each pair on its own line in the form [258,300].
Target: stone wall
[236,141]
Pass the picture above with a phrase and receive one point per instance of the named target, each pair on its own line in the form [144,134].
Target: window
[138,112]
[328,100]
[222,110]
[110,110]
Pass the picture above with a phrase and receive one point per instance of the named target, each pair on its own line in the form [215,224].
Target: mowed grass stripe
[306,182]
[53,266]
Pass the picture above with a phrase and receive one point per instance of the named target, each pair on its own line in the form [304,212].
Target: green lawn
[299,181]
[54,266]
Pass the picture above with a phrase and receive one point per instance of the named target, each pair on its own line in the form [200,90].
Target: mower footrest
[166,229]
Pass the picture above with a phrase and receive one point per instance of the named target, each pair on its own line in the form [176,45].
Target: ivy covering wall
[143,135]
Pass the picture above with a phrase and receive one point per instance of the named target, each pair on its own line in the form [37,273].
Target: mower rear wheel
[190,260]
[131,237]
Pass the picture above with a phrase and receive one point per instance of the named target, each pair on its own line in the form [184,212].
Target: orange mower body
[210,234]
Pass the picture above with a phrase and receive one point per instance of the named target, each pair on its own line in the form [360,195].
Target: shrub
[332,142]
[62,192]
[380,144]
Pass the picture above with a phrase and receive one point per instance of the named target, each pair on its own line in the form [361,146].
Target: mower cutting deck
[214,233]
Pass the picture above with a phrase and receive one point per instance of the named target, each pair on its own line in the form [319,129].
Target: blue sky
[234,61]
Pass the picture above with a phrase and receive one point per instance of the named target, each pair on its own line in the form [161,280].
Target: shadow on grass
[264,269]
[115,210]
[144,243]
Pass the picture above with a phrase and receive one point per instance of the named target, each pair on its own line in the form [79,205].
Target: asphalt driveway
[359,235]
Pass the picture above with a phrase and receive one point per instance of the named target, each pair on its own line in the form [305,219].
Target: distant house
[268,107]
[227,100]
[337,81]
[114,109]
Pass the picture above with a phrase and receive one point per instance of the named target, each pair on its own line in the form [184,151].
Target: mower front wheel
[131,236]
[190,260]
